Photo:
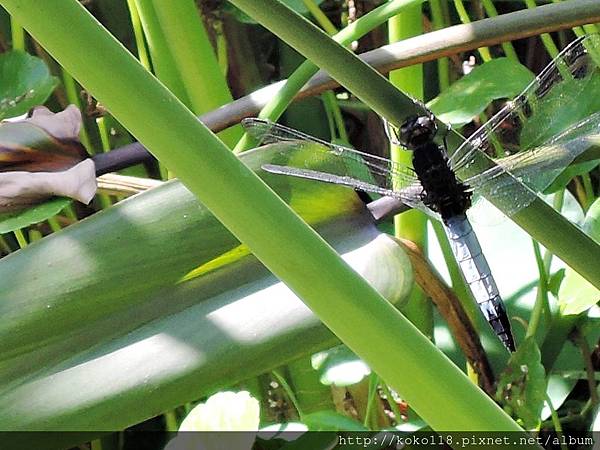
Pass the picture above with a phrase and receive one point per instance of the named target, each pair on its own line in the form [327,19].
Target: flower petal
[20,189]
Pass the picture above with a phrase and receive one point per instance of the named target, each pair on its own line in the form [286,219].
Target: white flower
[224,411]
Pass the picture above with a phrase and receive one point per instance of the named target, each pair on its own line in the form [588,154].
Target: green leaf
[339,366]
[39,213]
[522,385]
[331,421]
[25,82]
[576,294]
[555,281]
[469,96]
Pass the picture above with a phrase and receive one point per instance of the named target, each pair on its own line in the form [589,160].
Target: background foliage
[130,317]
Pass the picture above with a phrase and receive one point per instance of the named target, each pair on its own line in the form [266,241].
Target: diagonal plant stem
[340,62]
[427,47]
[380,95]
[275,107]
[544,224]
[353,310]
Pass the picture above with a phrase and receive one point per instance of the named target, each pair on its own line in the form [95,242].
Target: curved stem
[541,301]
[289,391]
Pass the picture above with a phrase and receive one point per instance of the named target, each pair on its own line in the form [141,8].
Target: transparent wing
[304,156]
[527,138]
[267,132]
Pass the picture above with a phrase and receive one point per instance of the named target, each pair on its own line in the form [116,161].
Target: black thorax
[442,191]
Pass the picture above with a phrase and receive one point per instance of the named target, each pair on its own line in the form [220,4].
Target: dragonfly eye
[417,130]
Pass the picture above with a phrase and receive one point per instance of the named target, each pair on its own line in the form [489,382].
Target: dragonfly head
[417,130]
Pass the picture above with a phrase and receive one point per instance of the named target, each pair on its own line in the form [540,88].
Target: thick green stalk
[413,224]
[241,201]
[194,59]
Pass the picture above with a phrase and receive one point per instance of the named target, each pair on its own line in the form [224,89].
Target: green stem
[586,355]
[320,17]
[171,422]
[546,38]
[105,141]
[289,391]
[353,310]
[440,21]
[138,33]
[195,60]
[484,52]
[21,240]
[275,108]
[393,405]
[334,113]
[508,48]
[555,419]
[588,189]
[34,235]
[162,59]
[54,224]
[72,93]
[371,400]
[413,224]
[541,302]
[17,35]
[557,204]
[4,246]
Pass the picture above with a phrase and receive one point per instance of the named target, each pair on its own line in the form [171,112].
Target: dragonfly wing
[536,168]
[478,276]
[267,132]
[303,156]
[409,196]
[531,130]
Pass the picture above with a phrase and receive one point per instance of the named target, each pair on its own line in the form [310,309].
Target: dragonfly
[511,158]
